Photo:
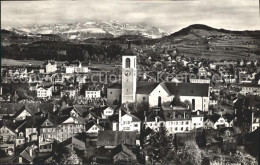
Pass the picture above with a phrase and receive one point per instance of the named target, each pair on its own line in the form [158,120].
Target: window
[135,125]
[193,104]
[143,98]
[127,63]
[187,122]
[176,128]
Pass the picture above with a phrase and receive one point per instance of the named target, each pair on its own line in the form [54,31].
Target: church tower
[129,75]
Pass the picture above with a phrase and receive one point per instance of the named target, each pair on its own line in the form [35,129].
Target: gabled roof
[25,153]
[123,148]
[114,138]
[32,108]
[63,118]
[173,115]
[153,115]
[214,118]
[116,86]
[146,87]
[74,142]
[49,118]
[21,110]
[134,118]
[91,124]
[187,89]
[8,124]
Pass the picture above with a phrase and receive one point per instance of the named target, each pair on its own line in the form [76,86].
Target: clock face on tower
[127,73]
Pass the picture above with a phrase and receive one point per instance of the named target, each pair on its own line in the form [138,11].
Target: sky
[169,16]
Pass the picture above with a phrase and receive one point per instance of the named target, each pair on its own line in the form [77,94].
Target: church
[131,90]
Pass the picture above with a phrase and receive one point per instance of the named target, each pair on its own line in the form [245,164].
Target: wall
[158,91]
[115,95]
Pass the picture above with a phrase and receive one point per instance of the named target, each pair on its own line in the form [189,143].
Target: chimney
[221,113]
[252,117]
[54,107]
[156,119]
[119,120]
[184,115]
[145,117]
[198,113]
[97,121]
[31,151]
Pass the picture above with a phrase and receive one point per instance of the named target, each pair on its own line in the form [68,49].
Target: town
[146,108]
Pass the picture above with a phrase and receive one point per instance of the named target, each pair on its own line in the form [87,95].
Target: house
[108,111]
[122,154]
[77,67]
[111,139]
[93,93]
[47,133]
[68,92]
[248,89]
[7,132]
[174,120]
[202,72]
[92,127]
[23,113]
[200,80]
[51,67]
[73,142]
[197,119]
[128,122]
[216,121]
[31,129]
[177,121]
[43,92]
[68,126]
[255,120]
[7,149]
[25,156]
[154,121]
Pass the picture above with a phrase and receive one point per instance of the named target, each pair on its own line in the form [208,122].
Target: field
[11,62]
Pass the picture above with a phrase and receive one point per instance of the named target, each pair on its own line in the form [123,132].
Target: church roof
[187,89]
[146,87]
[128,52]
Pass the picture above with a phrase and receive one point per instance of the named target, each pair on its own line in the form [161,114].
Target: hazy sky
[170,16]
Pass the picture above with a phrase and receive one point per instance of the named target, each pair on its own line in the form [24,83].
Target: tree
[158,146]
[203,139]
[69,156]
[190,155]
[176,101]
[141,108]
[175,142]
[187,104]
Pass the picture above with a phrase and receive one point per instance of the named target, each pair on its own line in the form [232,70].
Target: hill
[201,40]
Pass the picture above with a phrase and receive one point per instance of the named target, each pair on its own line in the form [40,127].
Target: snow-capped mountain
[91,29]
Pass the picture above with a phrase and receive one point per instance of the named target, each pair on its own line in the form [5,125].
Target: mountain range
[90,29]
